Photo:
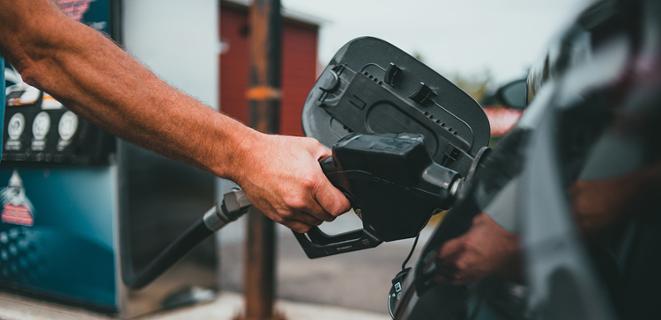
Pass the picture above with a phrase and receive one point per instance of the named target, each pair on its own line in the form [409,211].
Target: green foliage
[476,85]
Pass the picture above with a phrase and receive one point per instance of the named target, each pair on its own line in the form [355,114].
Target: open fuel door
[371,86]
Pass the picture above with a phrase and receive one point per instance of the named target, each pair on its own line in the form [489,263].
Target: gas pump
[80,206]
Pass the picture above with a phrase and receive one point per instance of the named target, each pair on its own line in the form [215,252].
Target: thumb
[329,198]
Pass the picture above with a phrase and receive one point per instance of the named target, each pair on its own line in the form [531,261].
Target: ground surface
[348,286]
[224,308]
[357,280]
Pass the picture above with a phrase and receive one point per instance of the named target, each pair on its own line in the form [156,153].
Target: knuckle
[318,145]
[309,183]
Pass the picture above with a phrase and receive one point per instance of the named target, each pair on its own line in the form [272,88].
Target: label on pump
[16,207]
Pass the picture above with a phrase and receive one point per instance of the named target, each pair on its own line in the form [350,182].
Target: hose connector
[234,204]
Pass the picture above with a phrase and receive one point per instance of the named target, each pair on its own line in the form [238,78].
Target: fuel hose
[234,205]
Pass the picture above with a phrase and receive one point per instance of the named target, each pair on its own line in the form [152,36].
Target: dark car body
[592,126]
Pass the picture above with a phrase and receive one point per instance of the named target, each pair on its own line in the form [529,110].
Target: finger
[313,208]
[331,199]
[452,248]
[305,218]
[296,226]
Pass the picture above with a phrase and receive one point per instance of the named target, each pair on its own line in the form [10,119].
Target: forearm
[99,81]
[92,76]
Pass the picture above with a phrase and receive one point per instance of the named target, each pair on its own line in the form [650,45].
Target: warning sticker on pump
[16,207]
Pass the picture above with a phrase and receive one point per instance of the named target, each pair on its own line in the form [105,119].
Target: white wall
[178,40]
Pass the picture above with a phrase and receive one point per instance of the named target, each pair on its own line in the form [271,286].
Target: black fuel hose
[234,205]
[194,235]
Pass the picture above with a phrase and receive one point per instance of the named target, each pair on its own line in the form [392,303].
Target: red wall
[298,69]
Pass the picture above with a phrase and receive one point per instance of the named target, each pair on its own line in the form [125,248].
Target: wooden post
[264,97]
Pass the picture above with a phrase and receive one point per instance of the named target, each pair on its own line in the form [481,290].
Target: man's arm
[103,84]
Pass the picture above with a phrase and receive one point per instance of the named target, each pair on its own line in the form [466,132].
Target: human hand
[282,177]
[598,204]
[484,250]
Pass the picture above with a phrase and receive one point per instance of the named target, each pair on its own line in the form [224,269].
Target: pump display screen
[38,127]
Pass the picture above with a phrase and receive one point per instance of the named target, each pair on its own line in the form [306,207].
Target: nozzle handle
[317,244]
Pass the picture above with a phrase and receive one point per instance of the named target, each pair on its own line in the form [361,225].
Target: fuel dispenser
[80,207]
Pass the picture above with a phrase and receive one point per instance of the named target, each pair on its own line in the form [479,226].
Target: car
[575,183]
[505,107]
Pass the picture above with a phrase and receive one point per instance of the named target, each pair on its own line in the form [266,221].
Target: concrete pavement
[356,280]
[225,307]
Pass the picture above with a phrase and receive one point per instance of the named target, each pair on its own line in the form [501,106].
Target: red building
[299,65]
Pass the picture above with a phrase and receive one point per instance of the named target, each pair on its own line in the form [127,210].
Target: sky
[469,37]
